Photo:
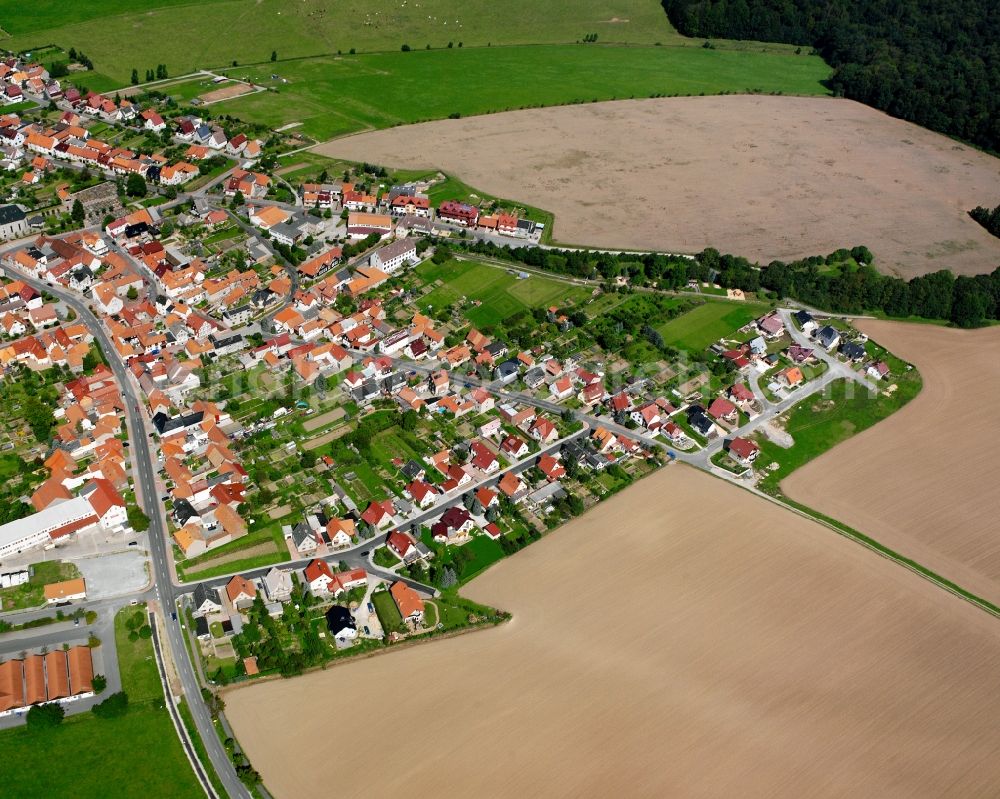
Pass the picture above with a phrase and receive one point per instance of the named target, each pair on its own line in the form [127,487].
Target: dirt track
[765,177]
[683,639]
[924,481]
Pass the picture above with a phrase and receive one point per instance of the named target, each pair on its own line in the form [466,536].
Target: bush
[113,707]
[44,717]
[100,682]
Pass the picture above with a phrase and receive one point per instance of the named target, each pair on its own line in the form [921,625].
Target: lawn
[501,293]
[135,756]
[386,610]
[704,325]
[334,96]
[821,422]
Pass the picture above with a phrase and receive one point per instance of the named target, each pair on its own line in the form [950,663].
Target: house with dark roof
[341,623]
[852,350]
[827,336]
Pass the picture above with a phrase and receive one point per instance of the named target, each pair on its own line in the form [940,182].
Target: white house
[402,252]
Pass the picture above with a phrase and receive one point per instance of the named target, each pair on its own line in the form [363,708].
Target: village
[341,414]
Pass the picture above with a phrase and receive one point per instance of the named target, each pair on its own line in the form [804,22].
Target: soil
[924,481]
[684,638]
[765,177]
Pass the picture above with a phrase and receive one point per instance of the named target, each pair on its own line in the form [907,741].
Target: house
[551,468]
[800,354]
[379,514]
[455,523]
[402,545]
[408,601]
[460,213]
[512,487]
[424,494]
[514,447]
[743,450]
[319,577]
[771,326]
[305,539]
[878,371]
[241,592]
[65,591]
[700,422]
[205,601]
[740,393]
[278,585]
[543,430]
[791,377]
[724,410]
[805,321]
[827,336]
[852,350]
[562,388]
[483,458]
[402,252]
[341,623]
[341,532]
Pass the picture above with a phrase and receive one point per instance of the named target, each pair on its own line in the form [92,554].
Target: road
[145,464]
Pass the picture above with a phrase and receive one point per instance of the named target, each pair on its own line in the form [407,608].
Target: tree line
[987,218]
[843,281]
[933,63]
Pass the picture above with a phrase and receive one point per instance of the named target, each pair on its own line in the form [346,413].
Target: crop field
[799,664]
[501,293]
[185,35]
[706,324]
[923,481]
[334,96]
[797,176]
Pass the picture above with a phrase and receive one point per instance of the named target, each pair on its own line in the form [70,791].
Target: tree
[238,199]
[45,717]
[99,683]
[137,519]
[409,420]
[135,186]
[135,76]
[132,293]
[78,214]
[405,48]
[115,706]
[274,55]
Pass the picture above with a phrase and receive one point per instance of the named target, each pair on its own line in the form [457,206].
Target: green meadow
[501,293]
[704,325]
[333,96]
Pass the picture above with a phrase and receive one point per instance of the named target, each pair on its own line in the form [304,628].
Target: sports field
[334,96]
[501,293]
[703,326]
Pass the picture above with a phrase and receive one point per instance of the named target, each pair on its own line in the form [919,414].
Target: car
[367,631]
[174,615]
[371,608]
[125,444]
[134,602]
[76,622]
[133,543]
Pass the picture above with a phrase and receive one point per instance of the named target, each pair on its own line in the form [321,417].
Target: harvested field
[924,481]
[227,92]
[740,652]
[765,177]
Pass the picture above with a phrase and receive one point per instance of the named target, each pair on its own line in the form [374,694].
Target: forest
[933,62]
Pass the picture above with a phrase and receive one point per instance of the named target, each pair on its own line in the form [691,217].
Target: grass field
[186,35]
[704,325]
[386,610]
[136,756]
[820,423]
[500,292]
[335,96]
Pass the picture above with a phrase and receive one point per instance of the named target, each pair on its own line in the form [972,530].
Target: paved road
[144,463]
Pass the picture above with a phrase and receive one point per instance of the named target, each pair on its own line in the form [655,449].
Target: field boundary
[874,546]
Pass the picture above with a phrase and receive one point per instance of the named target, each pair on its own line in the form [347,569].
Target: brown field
[683,639]
[764,177]
[227,92]
[924,481]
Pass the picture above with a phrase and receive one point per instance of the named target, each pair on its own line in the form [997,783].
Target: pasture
[184,36]
[704,325]
[500,293]
[338,95]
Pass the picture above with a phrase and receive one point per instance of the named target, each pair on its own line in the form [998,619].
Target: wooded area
[933,62]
